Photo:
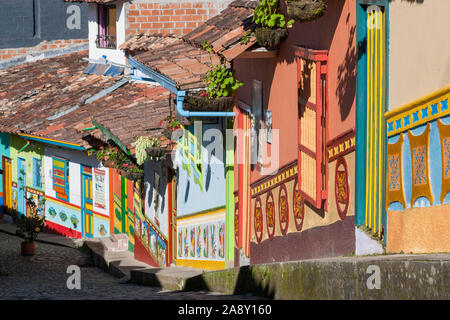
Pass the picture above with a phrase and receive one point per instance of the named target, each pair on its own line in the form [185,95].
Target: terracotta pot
[270,38]
[305,10]
[27,248]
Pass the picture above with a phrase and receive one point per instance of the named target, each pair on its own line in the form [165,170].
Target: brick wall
[170,16]
[41,47]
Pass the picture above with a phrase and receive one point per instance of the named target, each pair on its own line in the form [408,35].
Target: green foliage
[29,227]
[246,38]
[118,159]
[142,144]
[267,14]
[221,82]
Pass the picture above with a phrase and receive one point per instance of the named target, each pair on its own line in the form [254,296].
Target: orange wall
[336,32]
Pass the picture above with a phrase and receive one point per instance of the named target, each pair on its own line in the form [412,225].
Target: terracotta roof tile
[146,42]
[37,99]
[184,61]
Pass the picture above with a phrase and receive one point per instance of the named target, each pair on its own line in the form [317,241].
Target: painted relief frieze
[421,186]
[394,184]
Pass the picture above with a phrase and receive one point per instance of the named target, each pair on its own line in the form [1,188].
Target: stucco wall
[419,49]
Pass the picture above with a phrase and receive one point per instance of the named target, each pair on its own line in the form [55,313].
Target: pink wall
[336,32]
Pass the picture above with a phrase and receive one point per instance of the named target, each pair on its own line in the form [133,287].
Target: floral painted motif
[198,240]
[342,192]
[258,220]
[270,215]
[394,172]
[284,209]
[419,166]
[299,207]
[221,240]
[446,154]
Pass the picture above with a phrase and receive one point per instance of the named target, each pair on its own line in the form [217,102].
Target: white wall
[76,159]
[114,55]
[163,209]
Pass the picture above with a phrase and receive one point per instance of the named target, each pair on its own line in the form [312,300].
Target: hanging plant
[148,149]
[272,24]
[170,125]
[305,10]
[221,86]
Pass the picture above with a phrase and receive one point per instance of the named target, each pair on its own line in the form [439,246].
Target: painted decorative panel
[342,189]
[283,209]
[444,133]
[202,241]
[299,207]
[258,218]
[420,172]
[395,173]
[270,215]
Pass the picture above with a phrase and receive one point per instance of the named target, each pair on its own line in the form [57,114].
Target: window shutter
[312,98]
[61,178]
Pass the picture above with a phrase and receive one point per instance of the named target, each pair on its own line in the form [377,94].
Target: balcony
[106,41]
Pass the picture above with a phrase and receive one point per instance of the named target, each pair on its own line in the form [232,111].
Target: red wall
[336,32]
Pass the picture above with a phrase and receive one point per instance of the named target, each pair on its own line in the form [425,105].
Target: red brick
[146,25]
[198,5]
[154,18]
[168,25]
[180,24]
[134,12]
[164,18]
[167,12]
[180,11]
[156,12]
[131,19]
[146,12]
[53,46]
[141,19]
[186,5]
[175,5]
[201,11]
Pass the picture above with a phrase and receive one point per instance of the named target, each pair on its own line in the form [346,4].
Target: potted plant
[171,125]
[305,10]
[28,228]
[131,172]
[272,25]
[149,149]
[221,86]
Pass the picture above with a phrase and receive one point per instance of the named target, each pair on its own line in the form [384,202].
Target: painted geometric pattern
[446,154]
[444,133]
[394,172]
[419,166]
[421,186]
[420,112]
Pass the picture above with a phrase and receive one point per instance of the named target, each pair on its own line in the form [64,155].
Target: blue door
[21,176]
[87,209]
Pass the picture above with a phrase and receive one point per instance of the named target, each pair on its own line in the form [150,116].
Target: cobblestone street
[44,276]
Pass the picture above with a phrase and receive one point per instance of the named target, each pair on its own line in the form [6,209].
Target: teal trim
[361,107]
[361,97]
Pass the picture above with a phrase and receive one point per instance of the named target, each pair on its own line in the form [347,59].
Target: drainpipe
[187,114]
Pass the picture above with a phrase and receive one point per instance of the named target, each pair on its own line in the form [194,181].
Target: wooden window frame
[320,58]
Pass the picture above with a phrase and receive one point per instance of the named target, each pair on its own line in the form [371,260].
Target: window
[106,37]
[61,178]
[312,135]
[37,171]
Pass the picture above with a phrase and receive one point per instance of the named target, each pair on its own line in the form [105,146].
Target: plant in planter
[305,10]
[131,171]
[148,149]
[272,24]
[171,125]
[221,86]
[29,228]
[111,157]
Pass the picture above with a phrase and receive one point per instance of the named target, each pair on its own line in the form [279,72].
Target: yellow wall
[419,49]
[419,230]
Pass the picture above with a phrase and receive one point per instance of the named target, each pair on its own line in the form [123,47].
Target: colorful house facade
[416,129]
[295,181]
